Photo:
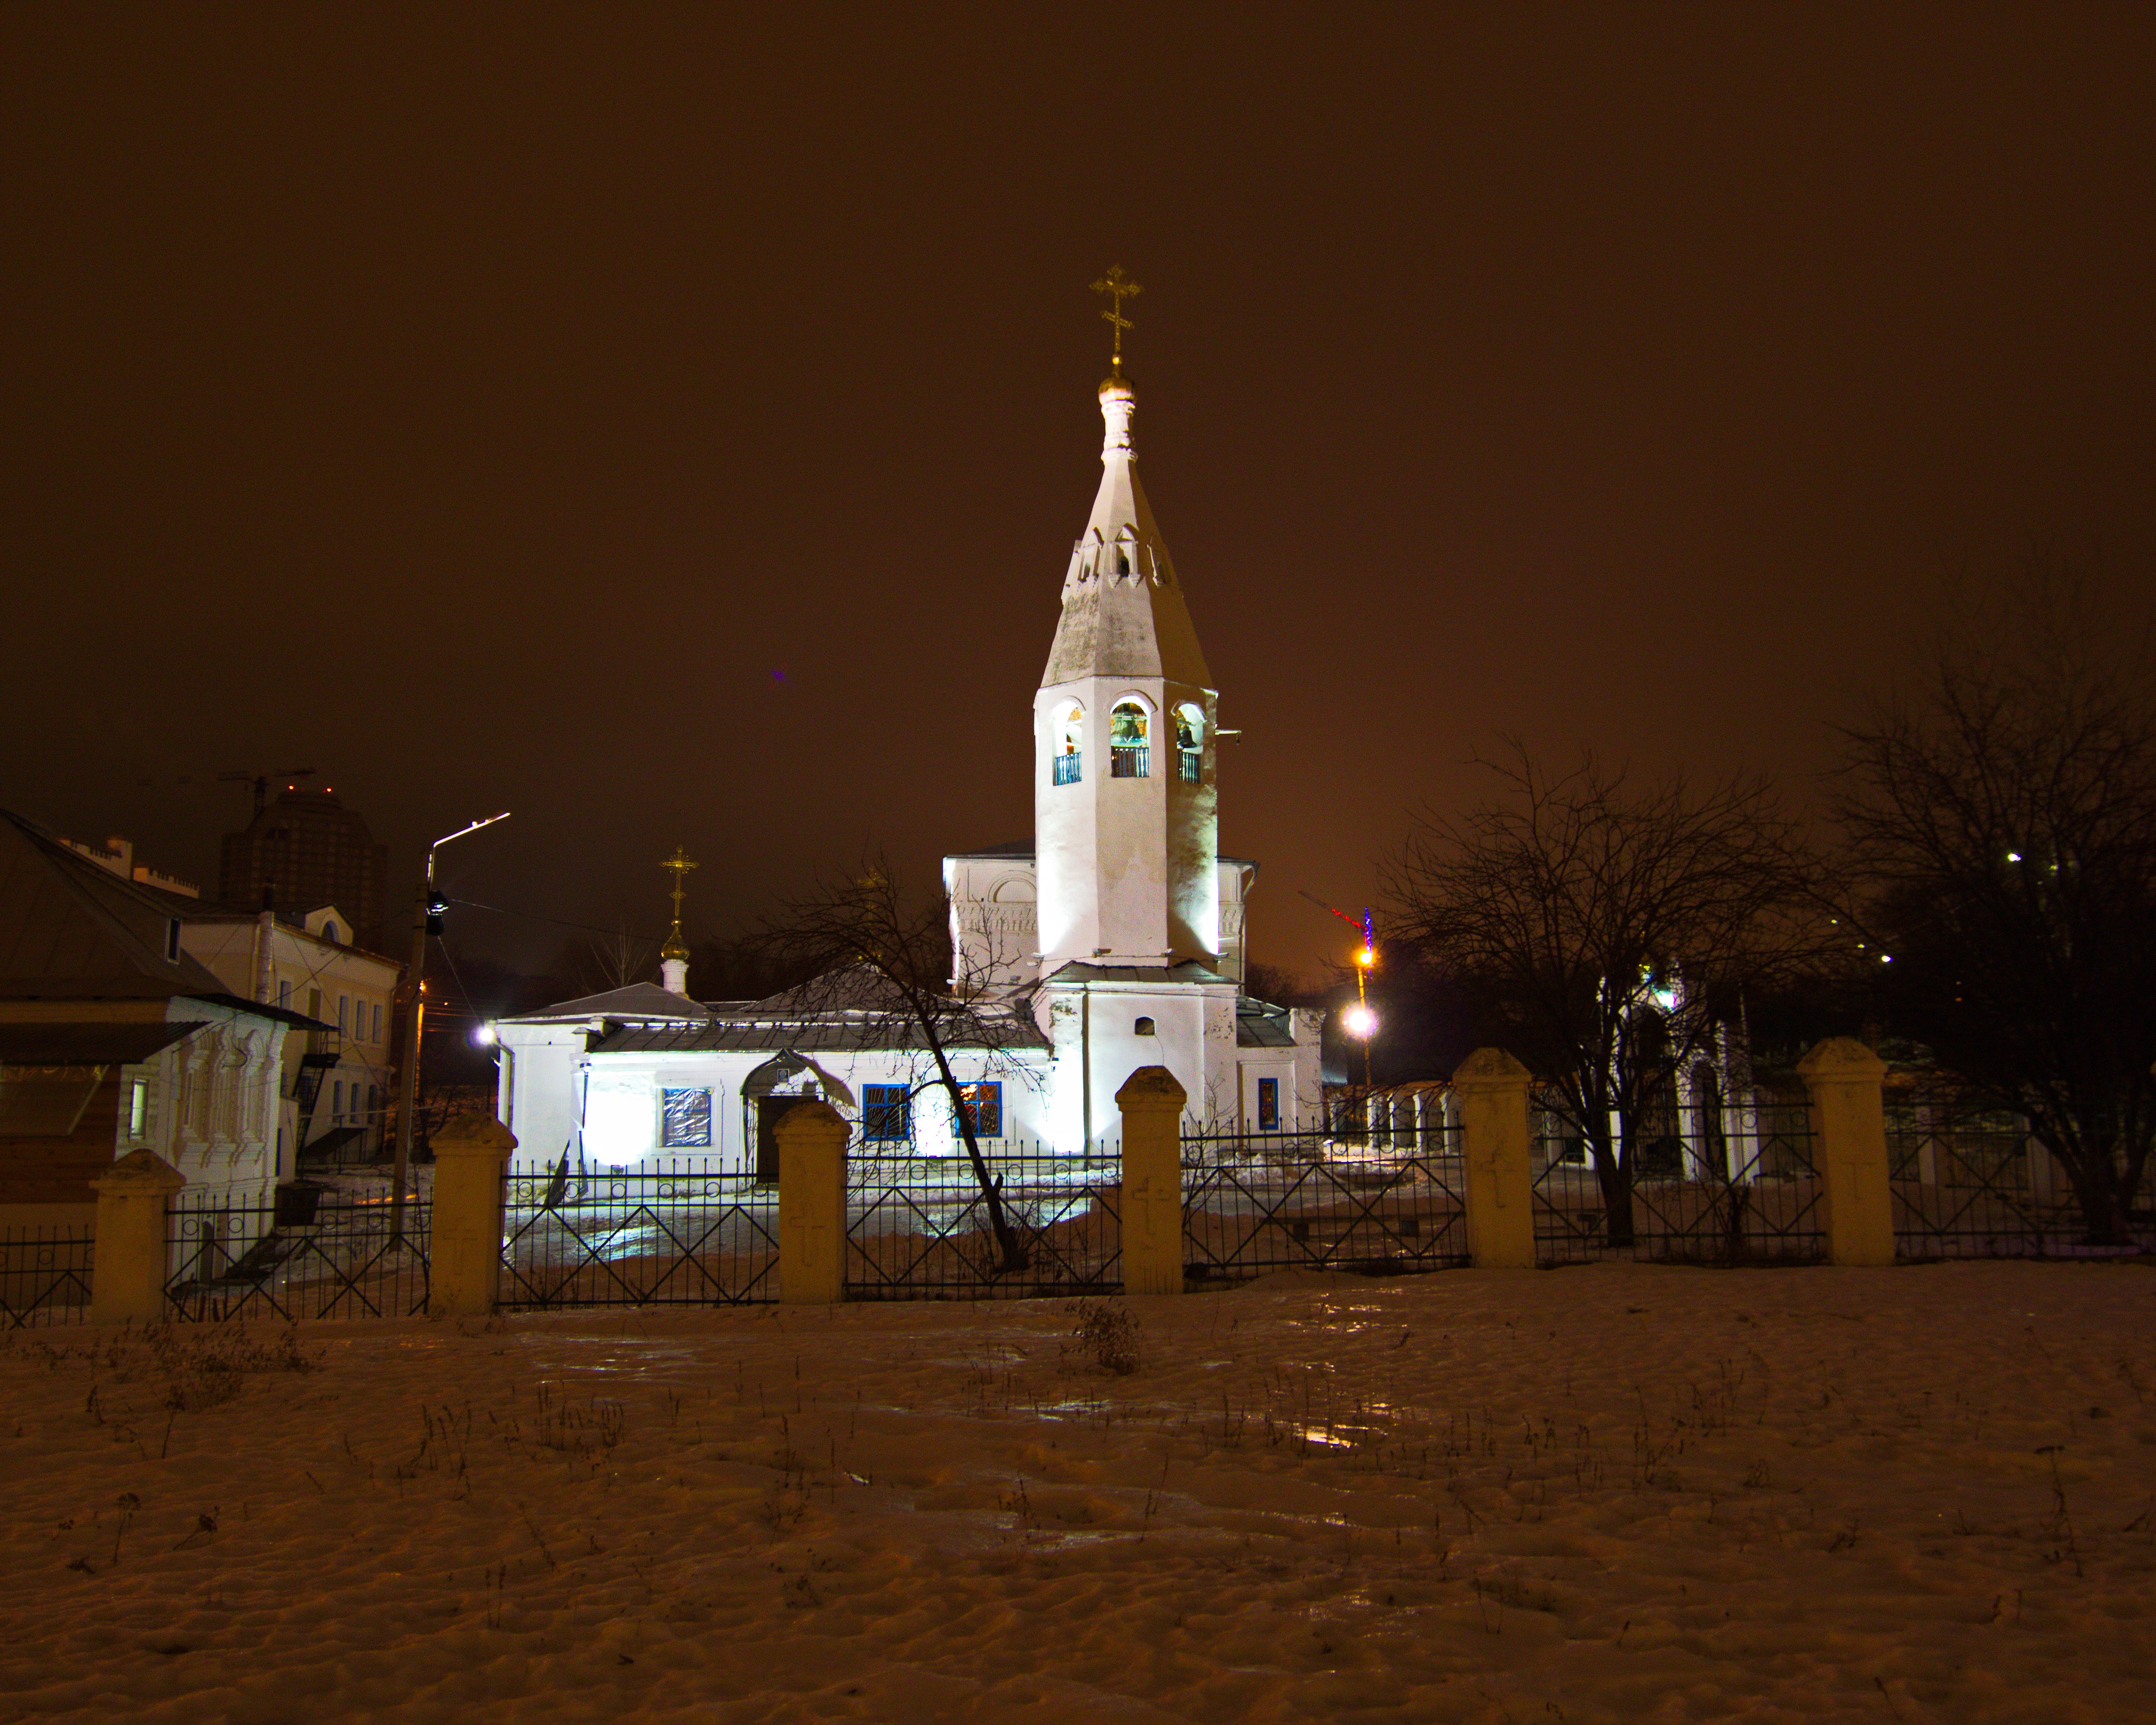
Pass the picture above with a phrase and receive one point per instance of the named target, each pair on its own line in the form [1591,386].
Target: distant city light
[1359,1021]
[2013,856]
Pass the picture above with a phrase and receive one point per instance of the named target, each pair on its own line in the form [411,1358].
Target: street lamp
[426,922]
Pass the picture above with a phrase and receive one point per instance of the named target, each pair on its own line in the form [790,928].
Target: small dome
[1116,384]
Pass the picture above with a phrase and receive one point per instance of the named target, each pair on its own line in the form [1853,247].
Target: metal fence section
[690,1233]
[44,1275]
[918,1228]
[233,1255]
[1384,1206]
[1734,1184]
[1970,1184]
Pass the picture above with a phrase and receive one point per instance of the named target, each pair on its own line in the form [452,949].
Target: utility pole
[428,920]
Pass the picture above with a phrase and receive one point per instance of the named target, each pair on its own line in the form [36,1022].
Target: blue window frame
[1268,1105]
[983,1107]
[886,1116]
[1067,767]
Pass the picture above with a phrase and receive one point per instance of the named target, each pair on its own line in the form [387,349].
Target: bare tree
[2001,813]
[876,951]
[607,961]
[1565,906]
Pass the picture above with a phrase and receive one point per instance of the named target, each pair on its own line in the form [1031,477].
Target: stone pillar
[812,1204]
[128,1278]
[463,1265]
[1849,1149]
[1152,1101]
[1495,1141]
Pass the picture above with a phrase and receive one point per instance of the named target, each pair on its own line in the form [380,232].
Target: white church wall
[619,1100]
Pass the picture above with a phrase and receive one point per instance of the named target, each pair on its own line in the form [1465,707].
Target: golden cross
[681,864]
[1118,287]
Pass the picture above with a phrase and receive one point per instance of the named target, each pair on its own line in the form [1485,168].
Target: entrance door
[768,1109]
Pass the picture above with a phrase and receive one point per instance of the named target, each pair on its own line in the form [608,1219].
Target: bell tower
[1126,824]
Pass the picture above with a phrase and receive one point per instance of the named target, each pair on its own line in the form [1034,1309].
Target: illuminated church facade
[1113,941]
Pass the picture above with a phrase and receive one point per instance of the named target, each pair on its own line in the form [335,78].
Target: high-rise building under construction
[306,850]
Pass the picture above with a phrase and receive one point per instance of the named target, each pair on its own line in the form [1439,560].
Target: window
[344,1014]
[1143,1028]
[1068,745]
[1189,743]
[983,1108]
[374,1104]
[885,1115]
[1268,1105]
[1127,732]
[685,1119]
[285,994]
[138,1108]
[171,939]
[376,1036]
[336,1102]
[330,932]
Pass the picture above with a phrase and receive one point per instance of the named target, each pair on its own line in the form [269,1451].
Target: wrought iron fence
[1969,1183]
[234,1256]
[1732,1185]
[692,1233]
[918,1228]
[44,1275]
[1260,1201]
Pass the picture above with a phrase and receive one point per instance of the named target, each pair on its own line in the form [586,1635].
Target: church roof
[1187,970]
[639,1000]
[1259,1023]
[845,1010]
[1123,610]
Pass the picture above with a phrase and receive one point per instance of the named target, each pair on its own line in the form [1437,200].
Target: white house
[1113,941]
[337,1086]
[114,1037]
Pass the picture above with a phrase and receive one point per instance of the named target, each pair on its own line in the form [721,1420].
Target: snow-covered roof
[638,1001]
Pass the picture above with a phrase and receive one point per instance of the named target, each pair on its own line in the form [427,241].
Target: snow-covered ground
[1610,1493]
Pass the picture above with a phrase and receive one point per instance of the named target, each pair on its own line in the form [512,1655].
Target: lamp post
[427,921]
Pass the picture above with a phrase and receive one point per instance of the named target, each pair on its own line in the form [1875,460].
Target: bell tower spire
[1125,819]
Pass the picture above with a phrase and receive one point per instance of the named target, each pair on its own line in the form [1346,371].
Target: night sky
[674,427]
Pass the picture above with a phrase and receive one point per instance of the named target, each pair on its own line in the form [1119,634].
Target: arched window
[1068,743]
[330,932]
[1127,738]
[1189,743]
[1143,1028]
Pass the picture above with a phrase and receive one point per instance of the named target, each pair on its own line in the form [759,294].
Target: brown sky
[490,406]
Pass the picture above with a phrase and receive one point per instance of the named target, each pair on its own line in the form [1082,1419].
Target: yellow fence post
[464,1264]
[127,1273]
[1848,1130]
[1493,1087]
[812,1204]
[1152,1101]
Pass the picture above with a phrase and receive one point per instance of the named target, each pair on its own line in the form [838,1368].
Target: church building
[1113,941]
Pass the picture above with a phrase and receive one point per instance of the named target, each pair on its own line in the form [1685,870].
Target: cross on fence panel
[318,1254]
[692,1234]
[1260,1201]
[44,1275]
[1707,1185]
[918,1228]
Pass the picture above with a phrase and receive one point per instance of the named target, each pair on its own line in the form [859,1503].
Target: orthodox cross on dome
[679,863]
[1117,287]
